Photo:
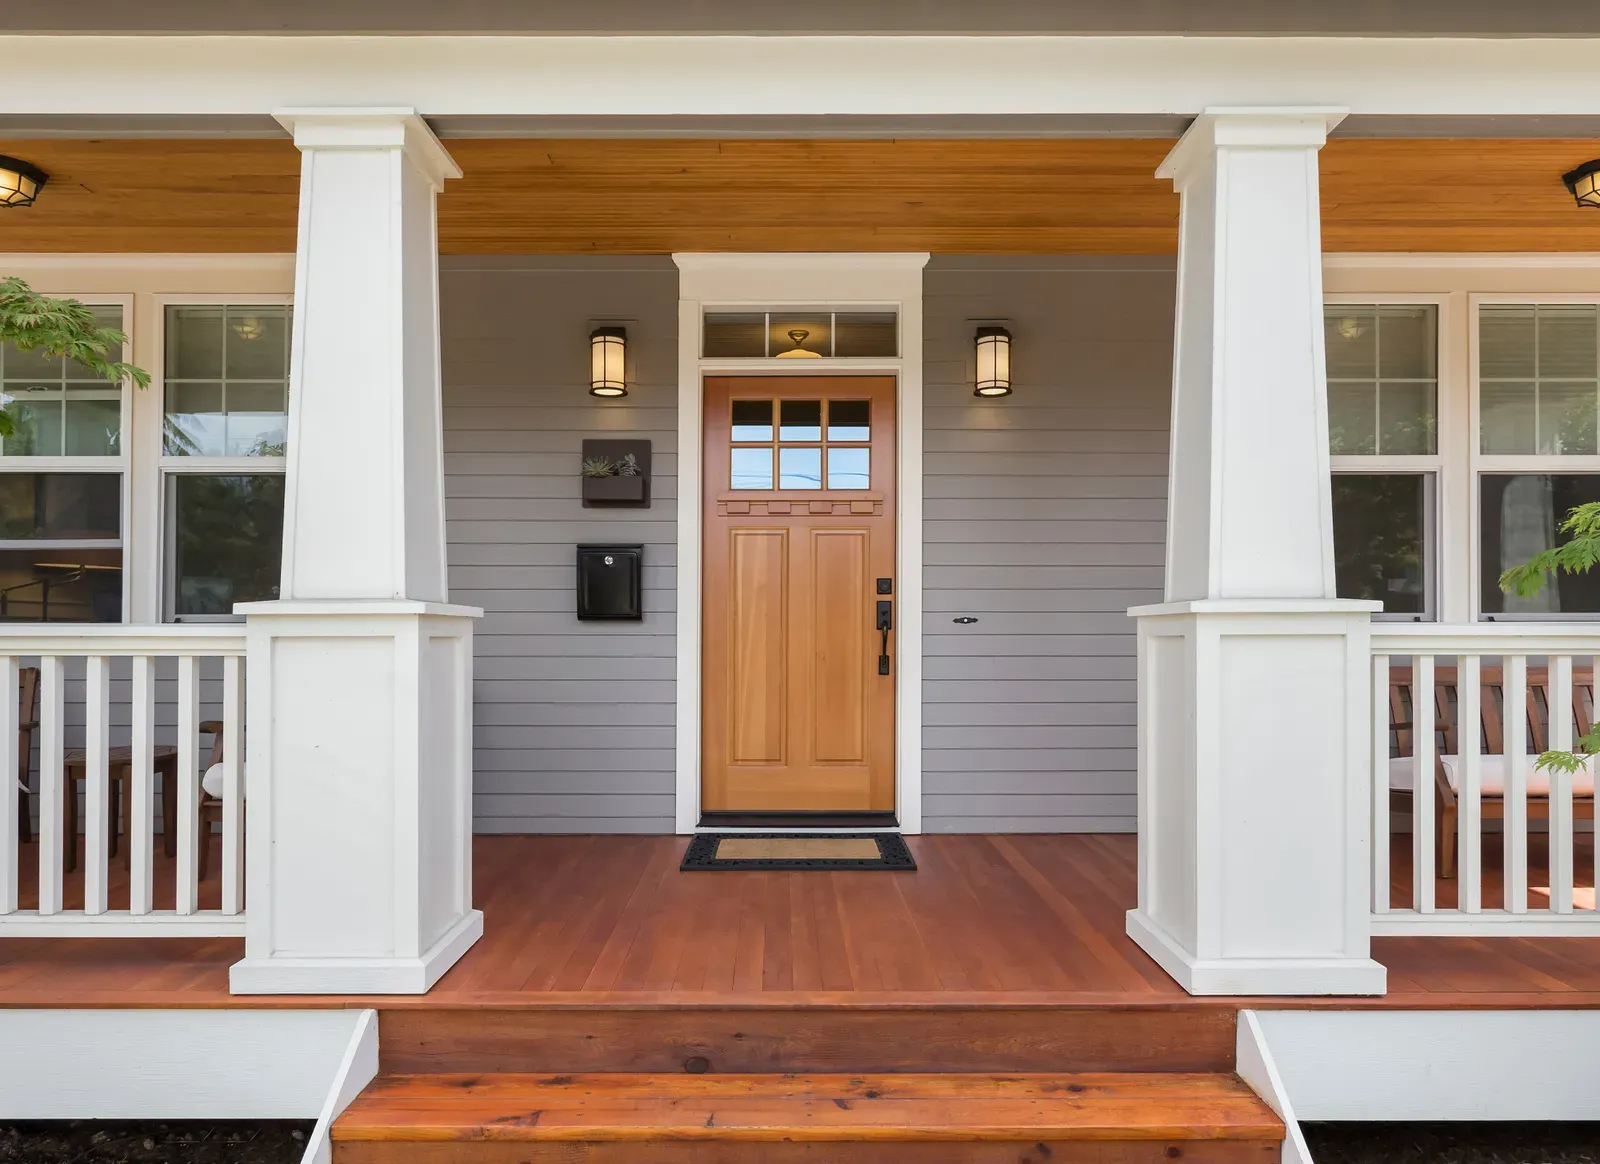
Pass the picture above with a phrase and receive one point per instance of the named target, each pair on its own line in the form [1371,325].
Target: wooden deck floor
[1013,920]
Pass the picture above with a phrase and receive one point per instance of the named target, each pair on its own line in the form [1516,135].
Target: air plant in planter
[596,468]
[628,466]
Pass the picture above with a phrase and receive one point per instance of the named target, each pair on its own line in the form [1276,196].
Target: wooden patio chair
[27,724]
[1491,741]
[211,797]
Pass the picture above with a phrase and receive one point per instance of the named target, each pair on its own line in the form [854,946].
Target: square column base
[1253,976]
[357,975]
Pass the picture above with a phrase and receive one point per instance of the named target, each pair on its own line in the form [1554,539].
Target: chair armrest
[210,727]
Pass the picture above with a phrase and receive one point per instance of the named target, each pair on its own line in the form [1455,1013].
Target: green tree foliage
[30,321]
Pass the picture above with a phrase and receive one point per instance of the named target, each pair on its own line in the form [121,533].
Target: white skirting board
[181,1064]
[1429,1064]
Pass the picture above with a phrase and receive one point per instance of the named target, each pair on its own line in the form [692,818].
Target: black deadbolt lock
[885,585]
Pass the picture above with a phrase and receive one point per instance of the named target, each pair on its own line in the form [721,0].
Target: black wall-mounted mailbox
[610,584]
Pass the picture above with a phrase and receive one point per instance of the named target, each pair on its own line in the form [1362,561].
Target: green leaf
[1577,555]
[63,327]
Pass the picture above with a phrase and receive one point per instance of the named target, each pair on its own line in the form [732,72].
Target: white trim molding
[814,281]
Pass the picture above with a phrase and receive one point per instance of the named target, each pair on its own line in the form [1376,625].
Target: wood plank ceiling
[651,197]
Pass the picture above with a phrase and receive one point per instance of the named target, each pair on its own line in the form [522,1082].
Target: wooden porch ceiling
[656,196]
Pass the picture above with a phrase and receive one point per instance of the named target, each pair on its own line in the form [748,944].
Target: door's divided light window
[800,334]
[61,408]
[227,381]
[801,457]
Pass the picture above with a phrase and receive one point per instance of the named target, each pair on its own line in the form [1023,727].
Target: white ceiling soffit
[1021,127]
[778,17]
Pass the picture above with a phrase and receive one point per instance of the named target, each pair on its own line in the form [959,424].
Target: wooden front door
[798,680]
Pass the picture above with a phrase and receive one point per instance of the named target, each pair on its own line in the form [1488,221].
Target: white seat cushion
[212,781]
[1492,775]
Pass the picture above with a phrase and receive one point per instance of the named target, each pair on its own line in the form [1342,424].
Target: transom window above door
[801,444]
[800,334]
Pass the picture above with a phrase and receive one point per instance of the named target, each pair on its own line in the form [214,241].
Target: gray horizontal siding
[572,721]
[1044,520]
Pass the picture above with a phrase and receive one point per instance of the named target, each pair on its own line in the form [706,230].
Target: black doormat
[798,851]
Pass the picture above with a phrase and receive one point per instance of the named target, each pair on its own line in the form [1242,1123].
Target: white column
[1253,676]
[359,706]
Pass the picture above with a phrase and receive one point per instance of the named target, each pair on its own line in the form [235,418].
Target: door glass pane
[1519,514]
[750,469]
[1379,547]
[228,537]
[728,334]
[807,334]
[752,420]
[865,333]
[849,420]
[1383,380]
[847,468]
[799,468]
[800,420]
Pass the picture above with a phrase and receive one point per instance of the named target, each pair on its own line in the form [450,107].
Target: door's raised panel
[841,607]
[758,660]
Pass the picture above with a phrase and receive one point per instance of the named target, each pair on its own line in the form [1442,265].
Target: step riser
[679,1152]
[772,1039]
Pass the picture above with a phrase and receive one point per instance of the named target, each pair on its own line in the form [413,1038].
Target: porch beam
[1254,680]
[358,717]
[794,75]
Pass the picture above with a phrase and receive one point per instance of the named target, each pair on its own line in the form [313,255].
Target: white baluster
[1469,816]
[1560,709]
[188,784]
[96,781]
[52,714]
[232,785]
[141,787]
[1380,784]
[1514,724]
[10,849]
[1422,794]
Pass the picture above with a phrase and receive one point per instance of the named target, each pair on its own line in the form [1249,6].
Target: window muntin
[61,408]
[1538,379]
[227,380]
[61,547]
[1383,541]
[227,541]
[1383,378]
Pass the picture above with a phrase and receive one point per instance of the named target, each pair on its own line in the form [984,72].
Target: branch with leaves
[1577,555]
[31,322]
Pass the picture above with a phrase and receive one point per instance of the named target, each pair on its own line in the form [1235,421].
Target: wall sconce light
[1584,182]
[608,350]
[20,182]
[994,362]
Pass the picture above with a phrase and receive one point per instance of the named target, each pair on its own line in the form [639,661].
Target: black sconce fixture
[20,182]
[1584,182]
[993,362]
[608,351]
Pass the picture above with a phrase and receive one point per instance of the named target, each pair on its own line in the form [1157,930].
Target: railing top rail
[1487,638]
[208,639]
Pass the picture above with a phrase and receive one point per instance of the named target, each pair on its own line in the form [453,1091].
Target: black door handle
[885,625]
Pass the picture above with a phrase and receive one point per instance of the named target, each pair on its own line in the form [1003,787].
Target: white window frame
[171,466]
[144,284]
[1532,463]
[121,464]
[1435,465]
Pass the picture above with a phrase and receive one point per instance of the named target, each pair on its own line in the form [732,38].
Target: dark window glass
[849,420]
[752,420]
[1519,514]
[865,333]
[228,532]
[1380,547]
[73,572]
[800,420]
[60,506]
[735,334]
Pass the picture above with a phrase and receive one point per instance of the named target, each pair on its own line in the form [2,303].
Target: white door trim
[816,281]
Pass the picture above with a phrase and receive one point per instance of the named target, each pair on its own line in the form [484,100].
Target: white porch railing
[1459,716]
[128,697]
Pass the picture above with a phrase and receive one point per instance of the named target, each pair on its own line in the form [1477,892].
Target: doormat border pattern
[701,856]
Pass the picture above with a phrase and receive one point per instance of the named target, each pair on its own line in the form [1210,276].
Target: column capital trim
[1250,126]
[371,128]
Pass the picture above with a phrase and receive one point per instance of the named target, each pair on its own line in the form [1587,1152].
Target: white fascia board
[721,75]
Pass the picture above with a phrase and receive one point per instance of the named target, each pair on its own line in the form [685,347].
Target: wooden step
[818,1039]
[821,1119]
